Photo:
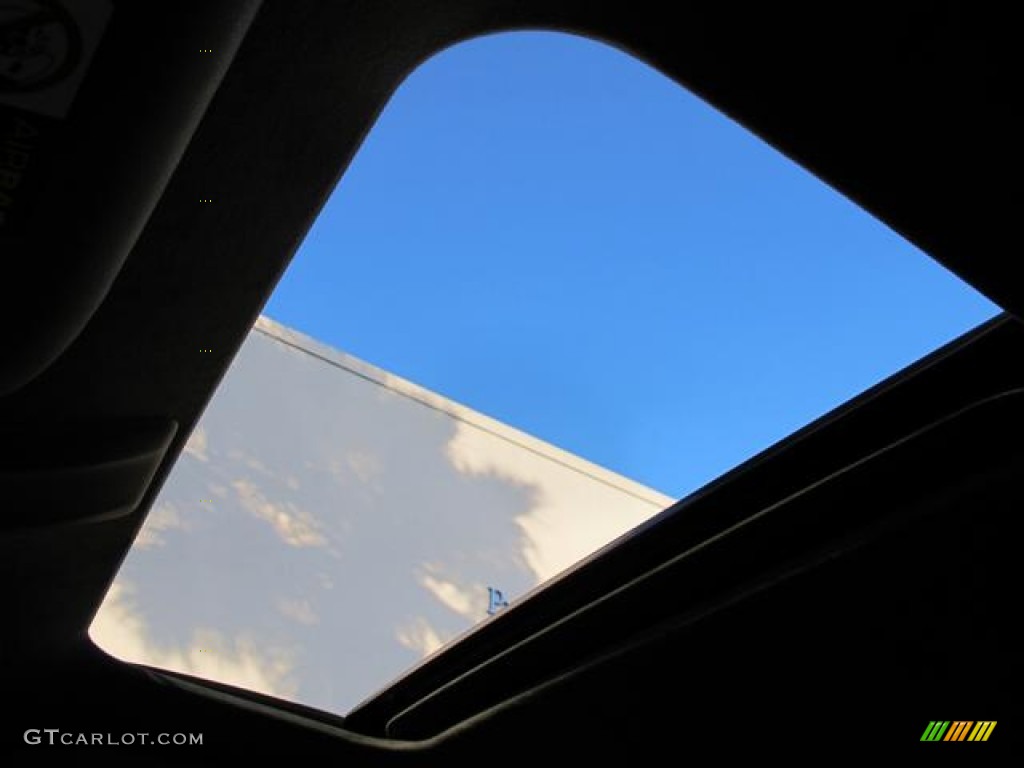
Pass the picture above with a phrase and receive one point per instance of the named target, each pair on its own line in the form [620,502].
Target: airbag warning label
[45,50]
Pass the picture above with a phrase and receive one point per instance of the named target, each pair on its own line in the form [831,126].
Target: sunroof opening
[554,292]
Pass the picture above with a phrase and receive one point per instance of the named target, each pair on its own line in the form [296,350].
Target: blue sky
[549,231]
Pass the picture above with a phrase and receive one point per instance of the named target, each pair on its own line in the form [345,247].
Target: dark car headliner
[905,108]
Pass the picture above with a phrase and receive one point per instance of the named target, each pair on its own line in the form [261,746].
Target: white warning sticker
[45,49]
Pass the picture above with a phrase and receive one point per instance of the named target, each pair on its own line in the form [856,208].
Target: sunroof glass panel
[567,292]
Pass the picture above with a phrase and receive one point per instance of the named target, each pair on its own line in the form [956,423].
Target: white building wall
[329,524]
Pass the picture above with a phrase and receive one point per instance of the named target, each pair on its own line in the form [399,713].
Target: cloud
[295,526]
[364,465]
[300,610]
[163,517]
[577,508]
[470,603]
[196,445]
[419,636]
[120,631]
[250,461]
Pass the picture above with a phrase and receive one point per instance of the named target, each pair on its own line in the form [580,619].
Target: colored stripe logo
[958,730]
